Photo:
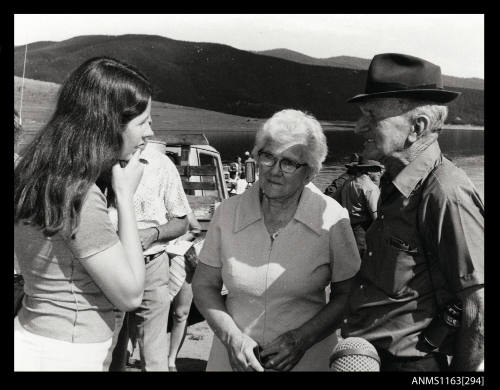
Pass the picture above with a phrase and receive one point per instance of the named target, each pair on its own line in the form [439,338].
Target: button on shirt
[276,285]
[159,196]
[431,211]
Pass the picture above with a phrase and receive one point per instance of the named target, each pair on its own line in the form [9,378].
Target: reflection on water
[464,147]
[341,144]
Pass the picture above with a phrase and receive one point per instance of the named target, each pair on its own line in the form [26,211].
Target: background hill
[362,64]
[221,78]
[39,102]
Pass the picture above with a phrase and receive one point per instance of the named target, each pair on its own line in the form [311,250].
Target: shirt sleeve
[454,226]
[344,253]
[95,231]
[372,193]
[176,202]
[210,253]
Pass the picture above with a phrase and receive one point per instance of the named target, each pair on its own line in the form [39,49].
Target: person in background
[18,135]
[161,207]
[276,248]
[359,196]
[335,188]
[180,290]
[425,252]
[240,165]
[236,184]
[75,266]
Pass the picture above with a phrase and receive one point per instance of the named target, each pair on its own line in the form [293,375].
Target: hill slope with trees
[222,78]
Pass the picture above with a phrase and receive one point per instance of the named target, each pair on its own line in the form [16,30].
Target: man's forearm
[469,347]
[174,228]
[329,318]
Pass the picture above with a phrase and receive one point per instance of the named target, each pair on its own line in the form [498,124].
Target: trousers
[33,352]
[150,321]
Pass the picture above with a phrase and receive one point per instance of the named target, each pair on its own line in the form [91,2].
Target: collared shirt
[159,196]
[429,213]
[360,196]
[276,285]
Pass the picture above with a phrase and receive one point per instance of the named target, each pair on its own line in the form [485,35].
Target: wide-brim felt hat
[369,165]
[400,75]
[355,157]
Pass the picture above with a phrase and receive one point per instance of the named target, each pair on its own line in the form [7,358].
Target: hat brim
[369,166]
[435,95]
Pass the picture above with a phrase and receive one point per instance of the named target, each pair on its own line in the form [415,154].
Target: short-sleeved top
[360,196]
[62,301]
[430,216]
[159,196]
[276,285]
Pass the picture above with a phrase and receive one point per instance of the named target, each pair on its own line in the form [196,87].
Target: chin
[126,157]
[271,193]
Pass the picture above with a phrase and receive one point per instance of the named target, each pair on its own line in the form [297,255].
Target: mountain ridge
[221,78]
[362,64]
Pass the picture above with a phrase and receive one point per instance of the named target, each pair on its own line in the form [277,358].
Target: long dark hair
[80,143]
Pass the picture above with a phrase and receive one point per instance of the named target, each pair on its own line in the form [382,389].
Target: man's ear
[419,127]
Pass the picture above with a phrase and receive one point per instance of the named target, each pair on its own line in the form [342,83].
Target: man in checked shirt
[161,207]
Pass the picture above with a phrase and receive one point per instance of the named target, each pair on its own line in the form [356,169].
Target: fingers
[276,359]
[253,363]
[270,349]
[284,364]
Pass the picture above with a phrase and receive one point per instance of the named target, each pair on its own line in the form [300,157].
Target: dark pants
[359,231]
[433,362]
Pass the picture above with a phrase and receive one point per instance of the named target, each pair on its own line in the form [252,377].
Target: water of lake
[341,144]
[464,147]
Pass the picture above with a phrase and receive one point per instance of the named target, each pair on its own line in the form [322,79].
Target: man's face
[384,126]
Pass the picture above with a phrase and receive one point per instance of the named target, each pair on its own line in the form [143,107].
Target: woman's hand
[125,180]
[241,355]
[284,352]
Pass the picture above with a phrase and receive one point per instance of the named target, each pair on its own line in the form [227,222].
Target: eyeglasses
[286,165]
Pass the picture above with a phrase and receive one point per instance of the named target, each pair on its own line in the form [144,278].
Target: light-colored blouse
[277,284]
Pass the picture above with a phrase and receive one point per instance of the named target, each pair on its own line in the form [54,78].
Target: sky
[454,42]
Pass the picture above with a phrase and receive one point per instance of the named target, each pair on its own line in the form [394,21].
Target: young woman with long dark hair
[76,267]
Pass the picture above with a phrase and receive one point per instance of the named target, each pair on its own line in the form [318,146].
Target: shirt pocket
[393,265]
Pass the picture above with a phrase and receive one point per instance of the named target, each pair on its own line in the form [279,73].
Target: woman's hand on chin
[125,180]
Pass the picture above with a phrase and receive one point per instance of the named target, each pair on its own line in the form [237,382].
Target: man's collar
[415,172]
[249,211]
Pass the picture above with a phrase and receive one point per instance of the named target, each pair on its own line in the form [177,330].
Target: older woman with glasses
[276,248]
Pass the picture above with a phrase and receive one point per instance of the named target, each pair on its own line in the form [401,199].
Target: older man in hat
[419,296]
[359,196]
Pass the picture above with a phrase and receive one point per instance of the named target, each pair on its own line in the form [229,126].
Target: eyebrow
[283,158]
